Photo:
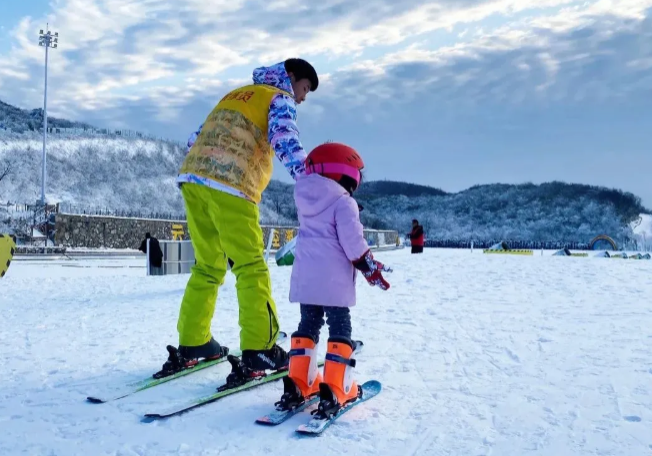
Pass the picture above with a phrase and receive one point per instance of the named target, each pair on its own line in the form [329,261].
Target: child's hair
[349,184]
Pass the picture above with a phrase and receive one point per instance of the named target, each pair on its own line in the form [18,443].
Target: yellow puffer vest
[233,148]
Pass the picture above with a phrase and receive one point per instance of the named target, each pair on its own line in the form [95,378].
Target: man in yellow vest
[228,165]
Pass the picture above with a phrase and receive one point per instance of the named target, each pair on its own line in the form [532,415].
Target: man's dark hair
[302,69]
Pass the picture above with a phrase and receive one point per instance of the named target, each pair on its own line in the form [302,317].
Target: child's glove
[371,270]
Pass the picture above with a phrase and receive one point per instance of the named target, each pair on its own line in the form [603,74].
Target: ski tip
[304,430]
[95,400]
[150,417]
[265,420]
[372,386]
[315,427]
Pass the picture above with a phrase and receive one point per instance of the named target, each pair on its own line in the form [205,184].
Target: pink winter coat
[330,238]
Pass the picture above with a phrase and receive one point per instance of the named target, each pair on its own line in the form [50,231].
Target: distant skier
[330,248]
[155,252]
[222,178]
[416,237]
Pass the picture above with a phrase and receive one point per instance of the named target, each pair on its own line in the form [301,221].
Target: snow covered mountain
[22,120]
[550,211]
[91,171]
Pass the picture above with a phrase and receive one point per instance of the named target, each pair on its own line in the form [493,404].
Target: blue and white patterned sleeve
[193,138]
[283,134]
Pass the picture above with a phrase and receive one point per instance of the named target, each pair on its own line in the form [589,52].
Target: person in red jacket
[416,237]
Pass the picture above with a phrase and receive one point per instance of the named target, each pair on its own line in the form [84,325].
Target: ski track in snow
[478,355]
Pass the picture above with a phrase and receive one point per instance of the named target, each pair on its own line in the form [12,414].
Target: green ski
[151,382]
[257,381]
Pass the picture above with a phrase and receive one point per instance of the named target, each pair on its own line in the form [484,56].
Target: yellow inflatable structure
[7,249]
[605,238]
[510,252]
[503,248]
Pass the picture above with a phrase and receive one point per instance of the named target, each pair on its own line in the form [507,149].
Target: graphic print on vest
[233,148]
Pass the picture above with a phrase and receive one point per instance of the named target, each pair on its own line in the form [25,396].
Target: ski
[278,416]
[257,381]
[317,425]
[150,382]
[147,383]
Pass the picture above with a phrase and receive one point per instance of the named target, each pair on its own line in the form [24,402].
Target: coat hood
[314,194]
[275,76]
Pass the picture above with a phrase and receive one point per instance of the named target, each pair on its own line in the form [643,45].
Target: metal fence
[179,256]
[73,209]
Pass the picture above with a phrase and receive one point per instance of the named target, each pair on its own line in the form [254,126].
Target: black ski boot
[240,374]
[186,357]
[253,365]
[291,398]
[274,358]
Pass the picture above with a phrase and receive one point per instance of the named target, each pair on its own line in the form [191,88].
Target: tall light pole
[48,41]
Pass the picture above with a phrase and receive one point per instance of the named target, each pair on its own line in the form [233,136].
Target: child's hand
[376,278]
[371,270]
[383,267]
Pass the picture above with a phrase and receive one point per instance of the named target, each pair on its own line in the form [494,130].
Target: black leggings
[312,320]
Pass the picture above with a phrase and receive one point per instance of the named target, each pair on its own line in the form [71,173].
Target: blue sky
[447,93]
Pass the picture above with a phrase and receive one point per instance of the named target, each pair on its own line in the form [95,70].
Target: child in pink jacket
[330,249]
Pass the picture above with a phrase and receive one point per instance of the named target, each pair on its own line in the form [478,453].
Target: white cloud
[536,60]
[640,64]
[508,68]
[169,54]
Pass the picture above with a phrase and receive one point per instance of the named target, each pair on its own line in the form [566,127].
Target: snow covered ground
[478,355]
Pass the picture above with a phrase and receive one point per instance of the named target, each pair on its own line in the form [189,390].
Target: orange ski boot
[304,377]
[338,387]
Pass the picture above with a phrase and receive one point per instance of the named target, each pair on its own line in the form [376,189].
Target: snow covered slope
[478,355]
[95,171]
[90,173]
[643,230]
